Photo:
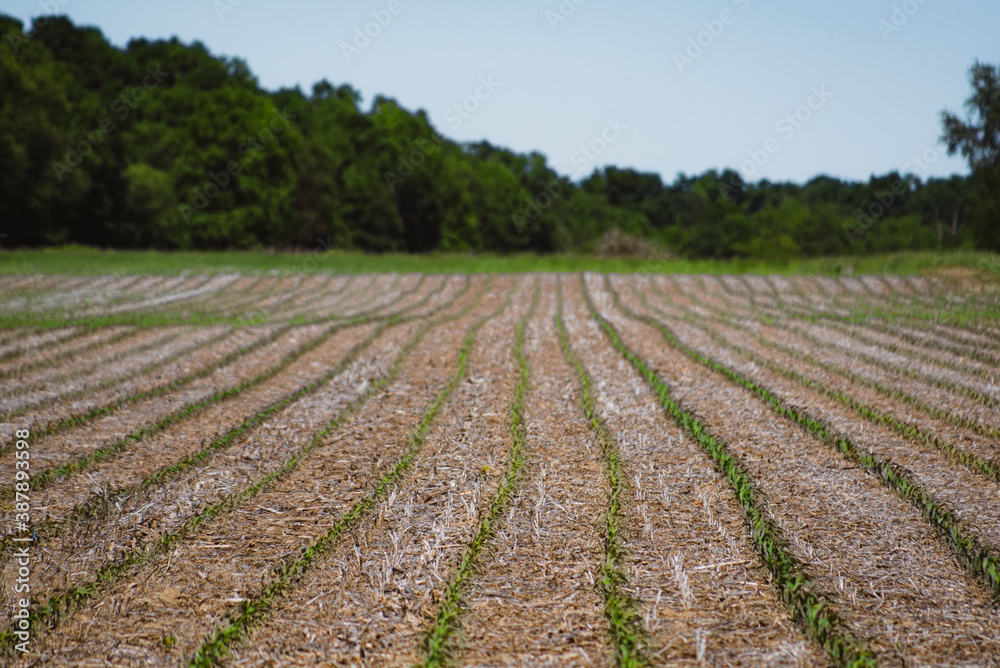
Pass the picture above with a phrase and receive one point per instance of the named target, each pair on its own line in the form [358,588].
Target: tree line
[162,144]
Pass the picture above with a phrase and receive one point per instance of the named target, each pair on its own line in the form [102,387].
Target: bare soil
[166,537]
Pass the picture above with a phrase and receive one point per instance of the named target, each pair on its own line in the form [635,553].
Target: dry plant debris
[502,470]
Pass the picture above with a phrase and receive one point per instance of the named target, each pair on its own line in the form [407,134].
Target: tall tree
[978,140]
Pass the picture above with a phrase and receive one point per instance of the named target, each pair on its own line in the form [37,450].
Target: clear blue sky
[560,81]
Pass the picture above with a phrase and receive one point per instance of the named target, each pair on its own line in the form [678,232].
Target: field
[556,469]
[93,261]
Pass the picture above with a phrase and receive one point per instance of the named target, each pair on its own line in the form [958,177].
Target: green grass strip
[963,349]
[58,605]
[911,351]
[122,356]
[255,610]
[173,313]
[57,426]
[971,553]
[952,386]
[919,376]
[807,603]
[628,637]
[97,503]
[69,352]
[17,336]
[857,379]
[987,374]
[85,417]
[436,644]
[986,467]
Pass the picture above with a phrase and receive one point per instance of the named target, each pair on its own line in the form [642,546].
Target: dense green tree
[978,139]
[36,129]
[164,144]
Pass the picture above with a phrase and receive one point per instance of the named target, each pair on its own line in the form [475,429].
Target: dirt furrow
[141,288]
[962,364]
[935,340]
[969,334]
[252,301]
[125,541]
[85,362]
[40,283]
[136,286]
[29,339]
[145,288]
[881,346]
[319,287]
[179,372]
[46,290]
[136,517]
[92,294]
[810,338]
[965,497]
[47,355]
[83,441]
[330,306]
[119,372]
[252,305]
[894,586]
[281,303]
[415,536]
[228,303]
[167,299]
[163,503]
[12,283]
[697,578]
[925,371]
[934,427]
[75,496]
[380,293]
[187,364]
[341,289]
[143,457]
[535,602]
[244,545]
[99,367]
[383,296]
[963,409]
